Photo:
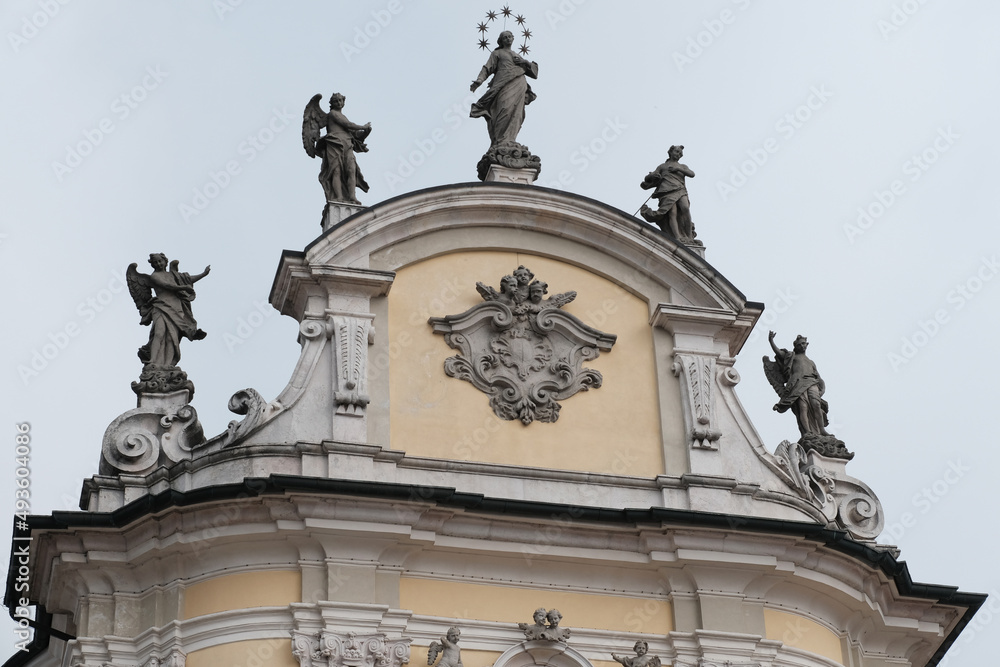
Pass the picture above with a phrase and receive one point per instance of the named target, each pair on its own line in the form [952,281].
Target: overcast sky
[845,156]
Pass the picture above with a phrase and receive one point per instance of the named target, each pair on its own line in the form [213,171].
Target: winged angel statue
[339,174]
[800,388]
[168,314]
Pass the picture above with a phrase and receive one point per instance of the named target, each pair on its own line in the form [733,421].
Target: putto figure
[641,658]
[449,647]
[503,106]
[535,630]
[168,314]
[339,174]
[670,189]
[800,389]
[546,626]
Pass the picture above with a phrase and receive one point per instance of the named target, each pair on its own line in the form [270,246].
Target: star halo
[506,12]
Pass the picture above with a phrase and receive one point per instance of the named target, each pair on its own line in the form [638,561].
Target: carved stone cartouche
[521,350]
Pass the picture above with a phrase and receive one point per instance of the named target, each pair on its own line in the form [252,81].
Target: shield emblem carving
[521,350]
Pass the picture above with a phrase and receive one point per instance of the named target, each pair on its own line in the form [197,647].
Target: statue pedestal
[499,174]
[336,212]
[161,431]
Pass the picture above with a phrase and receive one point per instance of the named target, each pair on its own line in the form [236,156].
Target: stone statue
[553,632]
[503,106]
[641,659]
[800,388]
[449,646]
[168,314]
[536,630]
[339,174]
[669,188]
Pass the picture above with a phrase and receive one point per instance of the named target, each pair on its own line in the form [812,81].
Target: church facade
[508,399]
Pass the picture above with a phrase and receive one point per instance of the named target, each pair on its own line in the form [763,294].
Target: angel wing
[313,118]
[775,375]
[655,662]
[487,292]
[141,291]
[433,651]
[559,300]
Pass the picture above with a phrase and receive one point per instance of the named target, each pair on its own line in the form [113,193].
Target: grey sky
[794,116]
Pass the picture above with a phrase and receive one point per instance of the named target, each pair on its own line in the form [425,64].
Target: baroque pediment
[519,348]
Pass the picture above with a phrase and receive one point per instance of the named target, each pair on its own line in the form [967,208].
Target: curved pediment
[500,216]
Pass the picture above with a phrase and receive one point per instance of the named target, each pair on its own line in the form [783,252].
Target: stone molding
[332,649]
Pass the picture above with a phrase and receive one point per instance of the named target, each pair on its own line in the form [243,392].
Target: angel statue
[641,659]
[449,646]
[339,174]
[168,314]
[800,389]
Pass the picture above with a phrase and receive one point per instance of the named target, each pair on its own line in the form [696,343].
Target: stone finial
[669,188]
[800,389]
[339,173]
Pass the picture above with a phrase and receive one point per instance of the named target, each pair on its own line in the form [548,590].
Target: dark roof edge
[836,540]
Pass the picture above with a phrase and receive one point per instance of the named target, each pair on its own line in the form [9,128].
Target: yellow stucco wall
[252,653]
[803,633]
[613,429]
[508,604]
[243,590]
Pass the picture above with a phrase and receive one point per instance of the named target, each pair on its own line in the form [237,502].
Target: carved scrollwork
[811,481]
[134,447]
[698,382]
[521,350]
[861,515]
[163,430]
[332,649]
[247,402]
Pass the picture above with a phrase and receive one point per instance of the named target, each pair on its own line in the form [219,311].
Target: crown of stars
[506,12]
